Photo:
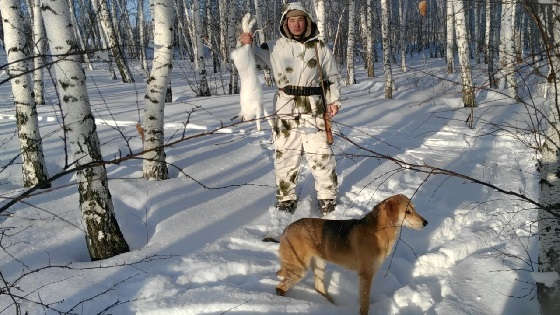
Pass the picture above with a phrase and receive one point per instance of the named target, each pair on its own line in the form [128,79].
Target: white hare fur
[250,90]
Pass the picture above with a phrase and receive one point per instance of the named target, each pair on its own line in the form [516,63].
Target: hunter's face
[296,25]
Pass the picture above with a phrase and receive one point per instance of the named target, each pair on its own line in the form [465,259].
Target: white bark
[363,31]
[321,19]
[125,19]
[369,40]
[549,224]
[112,40]
[224,51]
[450,18]
[105,47]
[142,37]
[95,200]
[477,26]
[350,76]
[464,53]
[39,49]
[154,166]
[199,63]
[33,167]
[402,15]
[386,40]
[259,8]
[78,35]
[507,50]
[487,38]
[233,20]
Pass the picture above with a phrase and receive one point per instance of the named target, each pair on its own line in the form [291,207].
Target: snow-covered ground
[195,238]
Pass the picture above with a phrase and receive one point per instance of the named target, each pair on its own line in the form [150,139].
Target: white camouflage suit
[299,124]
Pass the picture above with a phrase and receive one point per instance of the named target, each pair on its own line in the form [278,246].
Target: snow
[195,238]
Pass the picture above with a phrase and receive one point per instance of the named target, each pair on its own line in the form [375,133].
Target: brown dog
[359,245]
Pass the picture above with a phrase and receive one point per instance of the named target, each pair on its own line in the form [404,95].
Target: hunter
[299,128]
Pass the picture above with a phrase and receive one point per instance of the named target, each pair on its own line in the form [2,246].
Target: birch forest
[507,47]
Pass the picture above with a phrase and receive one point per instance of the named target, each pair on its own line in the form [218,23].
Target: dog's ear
[392,209]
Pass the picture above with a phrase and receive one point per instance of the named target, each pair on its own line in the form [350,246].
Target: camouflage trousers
[297,136]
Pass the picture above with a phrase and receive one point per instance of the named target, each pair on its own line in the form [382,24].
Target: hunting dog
[359,245]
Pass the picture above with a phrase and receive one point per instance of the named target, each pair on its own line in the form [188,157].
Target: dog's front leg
[366,276]
[318,266]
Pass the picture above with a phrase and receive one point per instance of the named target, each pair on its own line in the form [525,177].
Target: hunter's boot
[326,206]
[280,218]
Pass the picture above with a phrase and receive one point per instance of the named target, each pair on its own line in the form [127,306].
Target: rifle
[326,115]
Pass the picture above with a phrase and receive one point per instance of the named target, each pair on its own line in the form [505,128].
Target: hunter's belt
[302,90]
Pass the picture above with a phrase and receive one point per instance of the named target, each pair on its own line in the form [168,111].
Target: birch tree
[112,40]
[78,34]
[350,76]
[200,65]
[464,53]
[369,40]
[33,167]
[233,20]
[402,15]
[259,8]
[142,37]
[154,166]
[488,31]
[450,20]
[507,51]
[386,40]
[549,219]
[39,48]
[321,19]
[103,236]
[223,12]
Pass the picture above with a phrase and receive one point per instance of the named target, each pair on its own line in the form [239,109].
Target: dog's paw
[280,292]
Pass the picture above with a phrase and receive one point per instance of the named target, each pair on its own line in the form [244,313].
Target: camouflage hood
[310,33]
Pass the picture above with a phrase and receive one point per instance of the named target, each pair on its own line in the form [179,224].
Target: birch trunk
[464,52]
[33,168]
[450,19]
[103,236]
[39,49]
[125,19]
[363,32]
[350,77]
[142,37]
[233,20]
[507,50]
[488,31]
[369,40]
[386,49]
[105,47]
[476,32]
[262,38]
[492,43]
[321,19]
[154,166]
[211,39]
[199,63]
[112,39]
[78,35]
[549,224]
[223,8]
[402,15]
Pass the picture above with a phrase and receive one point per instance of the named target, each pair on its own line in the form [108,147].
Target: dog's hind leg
[318,266]
[289,277]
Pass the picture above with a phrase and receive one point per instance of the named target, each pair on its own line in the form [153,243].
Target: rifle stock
[326,115]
